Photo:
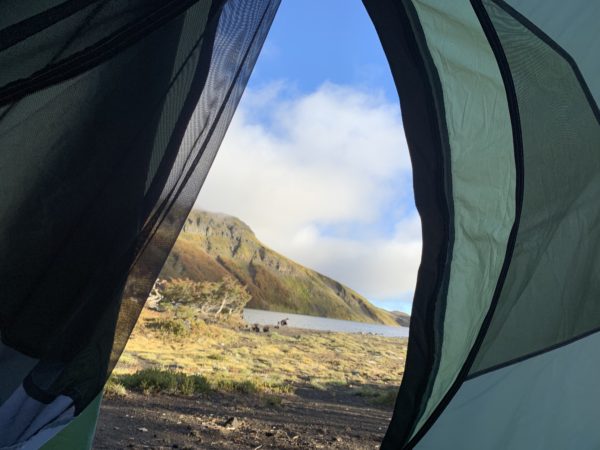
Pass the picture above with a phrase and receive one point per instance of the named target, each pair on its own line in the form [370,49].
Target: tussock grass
[155,381]
[114,389]
[385,396]
[152,381]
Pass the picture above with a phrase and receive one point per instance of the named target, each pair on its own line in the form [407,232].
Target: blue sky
[312,41]
[315,160]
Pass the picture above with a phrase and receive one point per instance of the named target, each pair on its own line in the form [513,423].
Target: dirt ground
[310,419]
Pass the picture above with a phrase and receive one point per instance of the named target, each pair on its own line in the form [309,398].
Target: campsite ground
[310,419]
[287,388]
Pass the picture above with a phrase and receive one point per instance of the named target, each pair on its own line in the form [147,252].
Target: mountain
[213,245]
[401,318]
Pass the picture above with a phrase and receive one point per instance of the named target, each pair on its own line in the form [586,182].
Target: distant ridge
[212,245]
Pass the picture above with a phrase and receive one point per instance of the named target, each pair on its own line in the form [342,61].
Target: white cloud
[318,177]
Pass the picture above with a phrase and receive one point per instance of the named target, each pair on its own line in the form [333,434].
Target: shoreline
[270,318]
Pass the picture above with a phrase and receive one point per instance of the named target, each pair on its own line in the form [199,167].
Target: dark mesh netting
[111,113]
[551,291]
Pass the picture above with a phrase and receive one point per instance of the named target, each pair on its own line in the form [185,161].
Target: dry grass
[231,359]
[114,388]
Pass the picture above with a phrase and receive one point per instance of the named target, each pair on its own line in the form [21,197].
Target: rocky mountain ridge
[212,245]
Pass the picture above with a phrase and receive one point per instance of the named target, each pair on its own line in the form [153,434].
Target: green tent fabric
[80,432]
[111,113]
[506,312]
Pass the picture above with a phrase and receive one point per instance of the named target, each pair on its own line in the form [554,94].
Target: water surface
[321,323]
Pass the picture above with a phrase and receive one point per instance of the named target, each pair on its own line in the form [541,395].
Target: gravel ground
[310,419]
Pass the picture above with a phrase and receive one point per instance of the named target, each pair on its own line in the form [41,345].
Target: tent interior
[112,112]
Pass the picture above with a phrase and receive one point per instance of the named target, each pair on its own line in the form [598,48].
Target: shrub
[175,327]
[242,387]
[212,299]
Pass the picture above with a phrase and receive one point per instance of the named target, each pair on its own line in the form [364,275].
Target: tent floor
[310,419]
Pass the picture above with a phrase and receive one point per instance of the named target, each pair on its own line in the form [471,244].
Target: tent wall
[478,192]
[515,94]
[550,401]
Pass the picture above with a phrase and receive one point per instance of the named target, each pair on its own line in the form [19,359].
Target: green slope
[212,245]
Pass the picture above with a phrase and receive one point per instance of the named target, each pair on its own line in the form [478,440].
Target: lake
[321,323]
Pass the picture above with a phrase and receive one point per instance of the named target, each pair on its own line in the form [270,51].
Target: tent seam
[531,355]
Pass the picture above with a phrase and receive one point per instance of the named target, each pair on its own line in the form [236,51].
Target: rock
[143,430]
[232,423]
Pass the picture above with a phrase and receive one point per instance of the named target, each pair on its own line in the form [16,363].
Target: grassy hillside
[212,245]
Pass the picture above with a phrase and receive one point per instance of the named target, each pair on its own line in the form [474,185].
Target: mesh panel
[101,162]
[552,287]
[40,50]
